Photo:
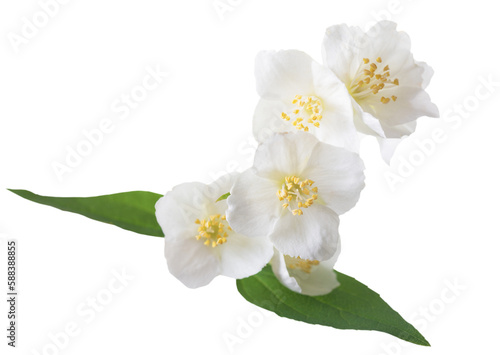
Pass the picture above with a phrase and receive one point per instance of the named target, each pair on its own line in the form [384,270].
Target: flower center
[371,79]
[307,113]
[297,194]
[304,265]
[213,231]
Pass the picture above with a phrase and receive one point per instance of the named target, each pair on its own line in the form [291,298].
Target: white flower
[309,277]
[294,193]
[385,82]
[298,93]
[199,243]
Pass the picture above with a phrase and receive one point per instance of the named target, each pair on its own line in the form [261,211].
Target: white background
[437,226]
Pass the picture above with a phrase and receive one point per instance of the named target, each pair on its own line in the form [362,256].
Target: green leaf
[352,305]
[133,211]
[223,197]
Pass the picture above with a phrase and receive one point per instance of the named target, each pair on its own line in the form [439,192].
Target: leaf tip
[417,339]
[223,197]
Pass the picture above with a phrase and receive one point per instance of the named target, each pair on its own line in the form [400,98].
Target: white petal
[391,45]
[337,126]
[253,206]
[427,73]
[221,186]
[320,281]
[341,47]
[192,262]
[281,272]
[267,119]
[242,256]
[284,74]
[365,122]
[338,130]
[344,48]
[388,147]
[215,190]
[179,208]
[411,103]
[313,235]
[330,263]
[402,130]
[338,174]
[284,155]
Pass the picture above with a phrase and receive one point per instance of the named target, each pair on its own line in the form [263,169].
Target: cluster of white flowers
[307,171]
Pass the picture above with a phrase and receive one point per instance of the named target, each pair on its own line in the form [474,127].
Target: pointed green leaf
[133,211]
[352,305]
[223,197]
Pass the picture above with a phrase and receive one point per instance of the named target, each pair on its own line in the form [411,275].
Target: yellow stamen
[385,100]
[298,263]
[213,229]
[371,80]
[297,194]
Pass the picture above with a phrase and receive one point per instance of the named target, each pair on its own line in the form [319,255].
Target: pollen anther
[309,109]
[370,80]
[298,194]
[213,230]
[304,265]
